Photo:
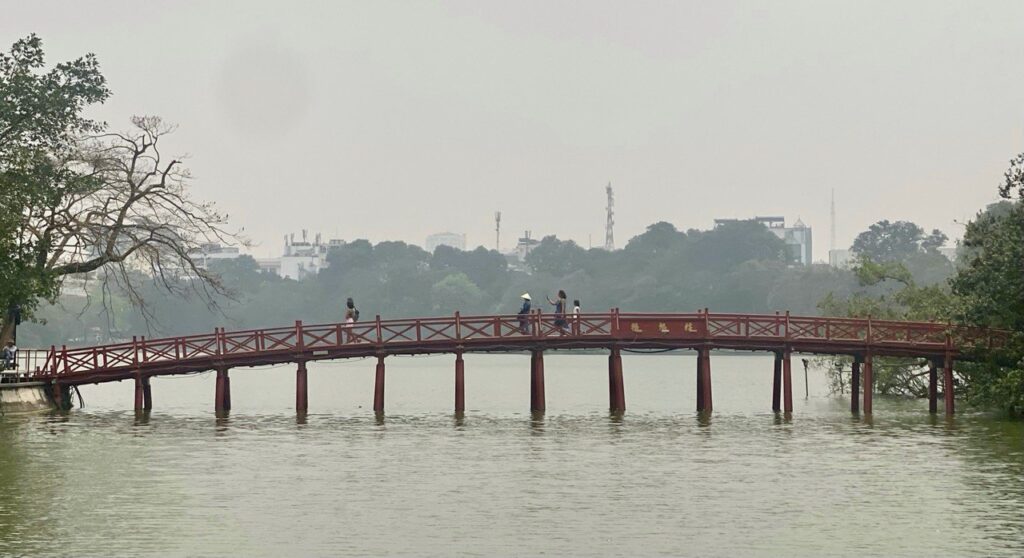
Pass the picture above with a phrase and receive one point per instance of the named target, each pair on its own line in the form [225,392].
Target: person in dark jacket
[524,314]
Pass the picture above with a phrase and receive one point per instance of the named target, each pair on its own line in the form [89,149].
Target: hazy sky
[389,120]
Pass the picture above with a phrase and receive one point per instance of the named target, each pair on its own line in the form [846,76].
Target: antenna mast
[497,231]
[609,235]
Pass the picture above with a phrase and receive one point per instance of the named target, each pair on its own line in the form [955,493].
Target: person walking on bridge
[524,314]
[351,316]
[559,310]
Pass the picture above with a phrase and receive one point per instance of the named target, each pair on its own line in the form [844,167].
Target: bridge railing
[467,330]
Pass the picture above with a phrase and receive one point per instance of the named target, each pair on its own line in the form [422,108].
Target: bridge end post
[777,383]
[537,400]
[787,381]
[616,388]
[301,388]
[460,383]
[378,386]
[933,386]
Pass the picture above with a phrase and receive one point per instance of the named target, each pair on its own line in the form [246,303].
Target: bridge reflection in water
[614,331]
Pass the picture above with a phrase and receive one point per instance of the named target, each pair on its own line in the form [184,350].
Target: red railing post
[300,342]
[787,325]
[458,326]
[135,351]
[380,336]
[869,335]
[217,341]
[707,324]
[64,357]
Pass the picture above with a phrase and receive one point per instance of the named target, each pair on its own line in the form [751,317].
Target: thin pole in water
[806,391]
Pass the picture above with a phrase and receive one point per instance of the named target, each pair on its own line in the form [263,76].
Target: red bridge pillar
[143,393]
[460,383]
[222,396]
[537,380]
[869,383]
[616,389]
[933,386]
[301,388]
[378,386]
[787,382]
[855,384]
[777,383]
[704,404]
[947,384]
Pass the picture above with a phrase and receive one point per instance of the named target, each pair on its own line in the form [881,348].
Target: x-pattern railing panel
[322,337]
[245,343]
[592,325]
[731,326]
[480,328]
[160,350]
[198,347]
[438,331]
[393,333]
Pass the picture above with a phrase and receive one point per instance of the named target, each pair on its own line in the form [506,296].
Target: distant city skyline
[392,121]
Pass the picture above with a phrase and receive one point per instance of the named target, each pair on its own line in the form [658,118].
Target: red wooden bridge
[781,334]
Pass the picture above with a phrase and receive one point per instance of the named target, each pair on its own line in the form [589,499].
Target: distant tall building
[302,258]
[797,238]
[839,258]
[455,240]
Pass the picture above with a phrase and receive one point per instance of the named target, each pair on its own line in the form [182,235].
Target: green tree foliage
[40,118]
[990,290]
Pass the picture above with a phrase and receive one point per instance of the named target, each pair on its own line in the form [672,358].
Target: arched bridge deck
[781,334]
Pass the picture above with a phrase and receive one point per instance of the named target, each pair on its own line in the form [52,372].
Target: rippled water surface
[576,481]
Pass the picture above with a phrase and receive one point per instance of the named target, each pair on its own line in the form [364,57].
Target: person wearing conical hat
[524,314]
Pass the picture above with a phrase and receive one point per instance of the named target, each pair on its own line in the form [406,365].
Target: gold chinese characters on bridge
[661,328]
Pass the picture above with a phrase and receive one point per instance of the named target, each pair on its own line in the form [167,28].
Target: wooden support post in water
[222,396]
[855,385]
[616,390]
[537,381]
[147,394]
[139,393]
[787,381]
[704,404]
[869,383]
[777,383]
[947,384]
[700,383]
[460,383]
[933,386]
[301,387]
[378,386]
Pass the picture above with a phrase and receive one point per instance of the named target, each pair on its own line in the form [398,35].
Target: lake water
[658,480]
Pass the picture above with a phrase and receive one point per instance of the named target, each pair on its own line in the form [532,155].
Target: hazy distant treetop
[887,241]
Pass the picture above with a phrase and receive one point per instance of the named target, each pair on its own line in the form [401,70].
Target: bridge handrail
[458,328]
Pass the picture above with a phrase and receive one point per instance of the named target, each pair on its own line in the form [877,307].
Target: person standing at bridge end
[524,314]
[10,356]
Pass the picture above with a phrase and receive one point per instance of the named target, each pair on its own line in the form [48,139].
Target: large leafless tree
[126,218]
